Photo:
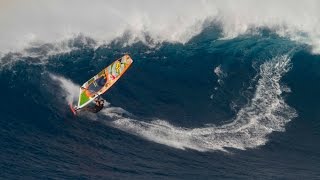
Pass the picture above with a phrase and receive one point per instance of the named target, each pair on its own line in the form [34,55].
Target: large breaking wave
[67,28]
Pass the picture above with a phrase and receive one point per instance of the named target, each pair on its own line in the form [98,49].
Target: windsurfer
[99,103]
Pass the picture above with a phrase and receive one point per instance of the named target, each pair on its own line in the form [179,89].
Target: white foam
[51,21]
[266,112]
[218,71]
[71,89]
[220,74]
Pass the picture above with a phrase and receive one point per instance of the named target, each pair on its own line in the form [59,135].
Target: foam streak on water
[267,112]
[71,89]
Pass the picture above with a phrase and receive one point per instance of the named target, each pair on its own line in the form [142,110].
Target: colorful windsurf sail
[101,82]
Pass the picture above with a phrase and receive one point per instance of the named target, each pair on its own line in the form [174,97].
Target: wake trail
[266,112]
[71,89]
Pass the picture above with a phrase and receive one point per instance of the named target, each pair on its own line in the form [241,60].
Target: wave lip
[106,21]
[266,112]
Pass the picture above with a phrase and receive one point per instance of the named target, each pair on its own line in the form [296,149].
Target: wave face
[266,112]
[245,107]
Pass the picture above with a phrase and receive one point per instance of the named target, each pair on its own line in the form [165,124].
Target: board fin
[73,110]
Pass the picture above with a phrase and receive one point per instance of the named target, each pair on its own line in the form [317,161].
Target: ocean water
[207,107]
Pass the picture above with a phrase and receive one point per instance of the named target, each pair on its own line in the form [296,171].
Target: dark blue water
[244,108]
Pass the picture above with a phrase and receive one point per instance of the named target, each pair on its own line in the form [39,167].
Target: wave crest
[105,21]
